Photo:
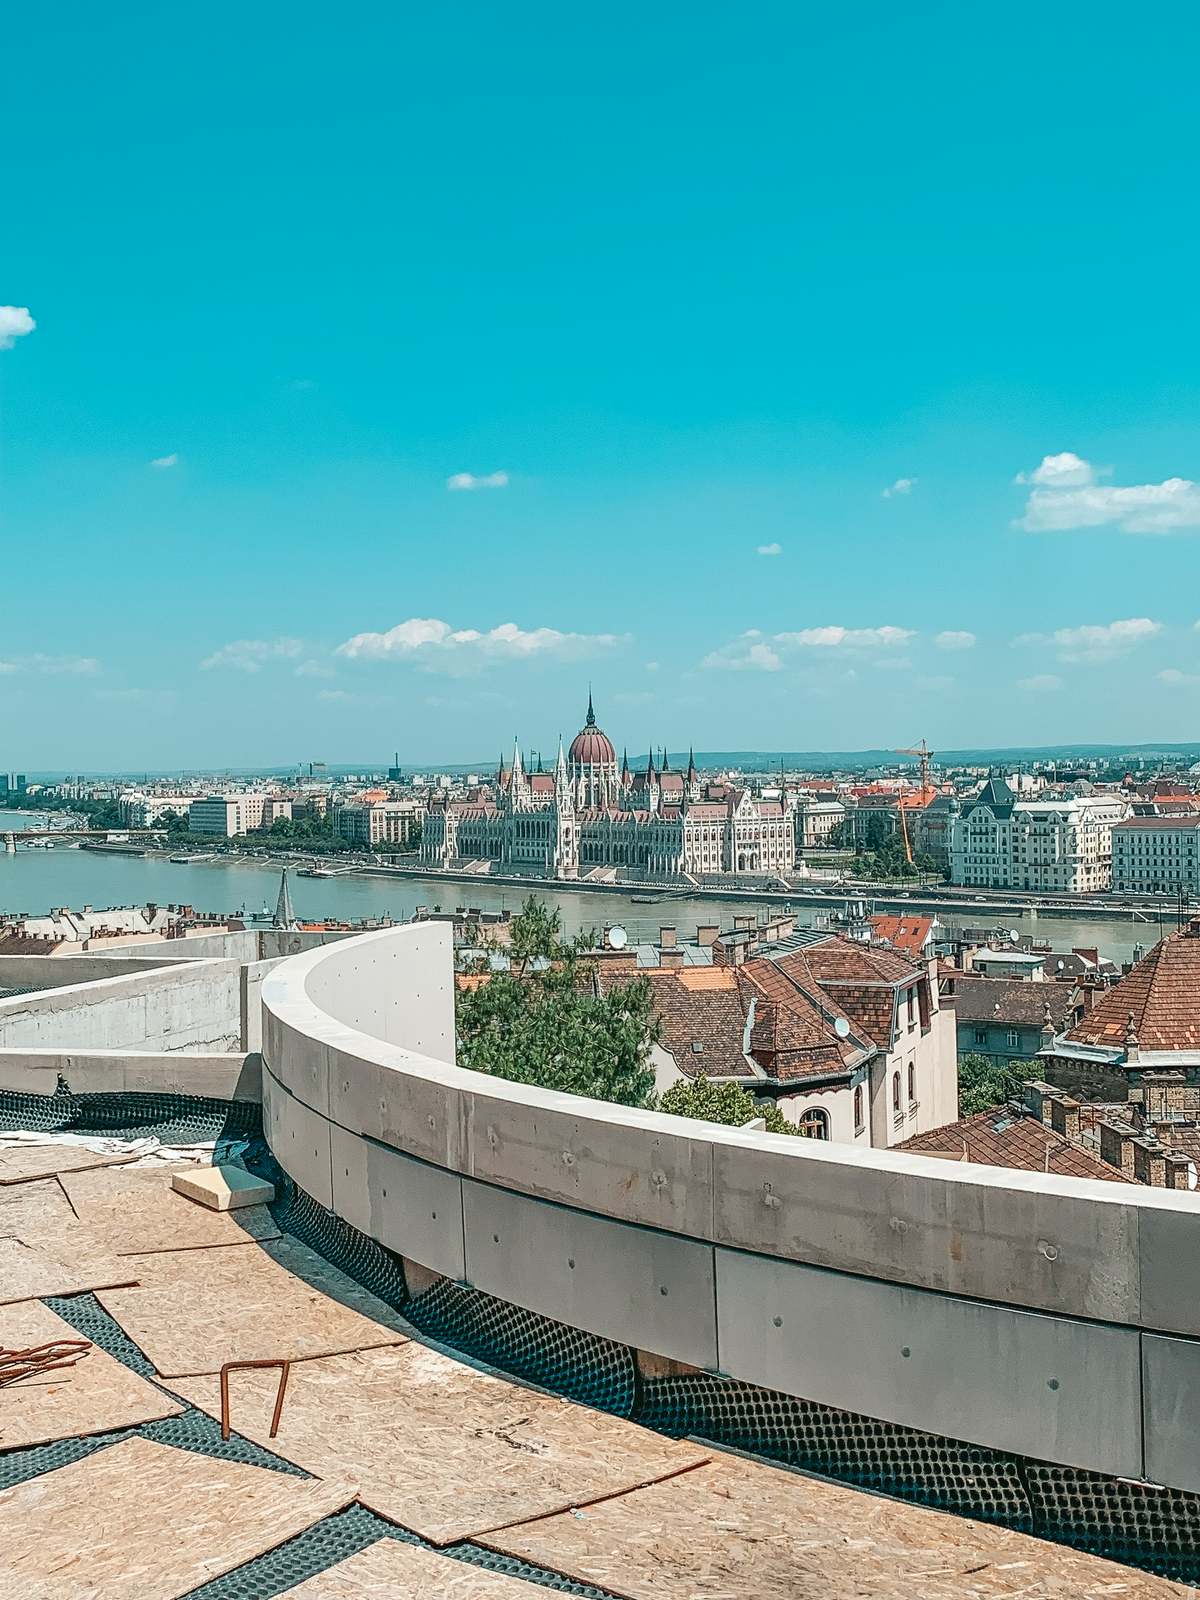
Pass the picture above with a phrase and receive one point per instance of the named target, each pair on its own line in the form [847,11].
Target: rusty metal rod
[237,1366]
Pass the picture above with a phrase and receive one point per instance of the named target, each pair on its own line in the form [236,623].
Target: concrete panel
[300,1063]
[1011,1380]
[647,1289]
[1170,1227]
[409,1206]
[1171,1403]
[235,1076]
[193,1006]
[397,985]
[1020,1238]
[613,1160]
[299,1140]
[415,1109]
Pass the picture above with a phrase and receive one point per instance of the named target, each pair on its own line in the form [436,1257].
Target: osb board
[23,1162]
[392,1571]
[40,1205]
[194,1310]
[439,1447]
[94,1395]
[30,1272]
[134,1211]
[738,1528]
[143,1521]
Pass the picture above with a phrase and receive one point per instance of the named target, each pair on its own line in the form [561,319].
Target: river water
[34,880]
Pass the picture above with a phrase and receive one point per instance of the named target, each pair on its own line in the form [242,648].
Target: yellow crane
[925,756]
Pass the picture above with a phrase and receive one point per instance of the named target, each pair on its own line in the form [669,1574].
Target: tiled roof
[1170,824]
[1012,1000]
[1008,1138]
[1163,994]
[906,934]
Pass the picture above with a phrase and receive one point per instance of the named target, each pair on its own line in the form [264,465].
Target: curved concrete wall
[1048,1316]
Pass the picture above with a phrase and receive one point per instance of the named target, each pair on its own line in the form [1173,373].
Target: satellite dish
[841,1027]
[1014,935]
[617,937]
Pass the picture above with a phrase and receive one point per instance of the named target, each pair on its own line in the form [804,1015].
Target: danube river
[34,880]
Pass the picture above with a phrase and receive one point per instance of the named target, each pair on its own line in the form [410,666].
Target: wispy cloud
[754,651]
[313,668]
[1040,683]
[1093,641]
[437,646]
[15,323]
[901,486]
[769,550]
[51,666]
[468,481]
[1175,679]
[249,655]
[955,639]
[1066,494]
[163,462]
[838,638]
[156,699]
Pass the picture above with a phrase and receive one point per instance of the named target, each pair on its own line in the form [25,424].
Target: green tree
[547,1027]
[727,1102]
[982,1084]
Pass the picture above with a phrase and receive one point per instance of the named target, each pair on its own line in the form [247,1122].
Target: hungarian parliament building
[593,817]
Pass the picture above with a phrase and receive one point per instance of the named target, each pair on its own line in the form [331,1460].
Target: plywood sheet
[134,1211]
[393,1571]
[30,1272]
[23,1163]
[145,1522]
[194,1310]
[739,1528]
[39,1205]
[439,1447]
[94,1395]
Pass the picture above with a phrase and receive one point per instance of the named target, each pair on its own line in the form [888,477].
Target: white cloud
[52,666]
[756,651]
[652,666]
[332,696]
[314,669]
[1040,683]
[1175,679]
[468,480]
[1066,495]
[955,639]
[901,486]
[15,323]
[838,638]
[769,550]
[163,462]
[750,653]
[1093,641]
[248,655]
[436,645]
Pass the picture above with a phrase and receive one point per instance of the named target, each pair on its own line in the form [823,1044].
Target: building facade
[380,822]
[1060,846]
[1157,855]
[592,816]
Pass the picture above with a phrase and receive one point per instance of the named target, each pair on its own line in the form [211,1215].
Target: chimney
[706,933]
[1150,1163]
[1087,993]
[666,938]
[672,956]
[1179,1170]
[743,924]
[1064,1117]
[1116,1146]
[1038,1097]
[1132,1048]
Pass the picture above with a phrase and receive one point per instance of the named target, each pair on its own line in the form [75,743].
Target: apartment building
[1154,855]
[1058,845]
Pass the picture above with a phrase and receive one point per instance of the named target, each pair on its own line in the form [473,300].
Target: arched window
[814,1124]
[895,1091]
[912,1081]
[858,1108]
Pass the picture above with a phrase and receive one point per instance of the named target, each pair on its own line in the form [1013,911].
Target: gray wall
[188,1006]
[235,1075]
[1020,1311]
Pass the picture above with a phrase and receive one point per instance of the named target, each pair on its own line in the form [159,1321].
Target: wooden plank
[737,1528]
[135,1211]
[22,1163]
[145,1522]
[393,1571]
[194,1310]
[30,1272]
[440,1447]
[96,1394]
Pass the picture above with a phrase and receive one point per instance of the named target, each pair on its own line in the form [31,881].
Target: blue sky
[397,372]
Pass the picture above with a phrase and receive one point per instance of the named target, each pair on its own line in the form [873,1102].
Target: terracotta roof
[1012,1000]
[1183,819]
[1163,994]
[906,934]
[1009,1138]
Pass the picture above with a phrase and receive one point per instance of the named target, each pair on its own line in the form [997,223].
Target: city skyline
[379,416]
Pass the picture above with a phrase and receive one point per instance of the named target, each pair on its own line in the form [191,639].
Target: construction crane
[925,756]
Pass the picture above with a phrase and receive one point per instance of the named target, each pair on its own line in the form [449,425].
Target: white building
[380,822]
[140,810]
[1156,855]
[1060,846]
[227,815]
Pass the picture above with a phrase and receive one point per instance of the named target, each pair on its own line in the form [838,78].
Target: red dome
[591,746]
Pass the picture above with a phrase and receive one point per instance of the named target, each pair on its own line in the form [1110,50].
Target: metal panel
[1171,1402]
[410,1207]
[299,1140]
[1060,1390]
[632,1284]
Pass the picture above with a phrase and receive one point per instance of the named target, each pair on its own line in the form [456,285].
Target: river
[33,881]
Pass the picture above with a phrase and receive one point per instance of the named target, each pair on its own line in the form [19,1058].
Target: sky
[800,378]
